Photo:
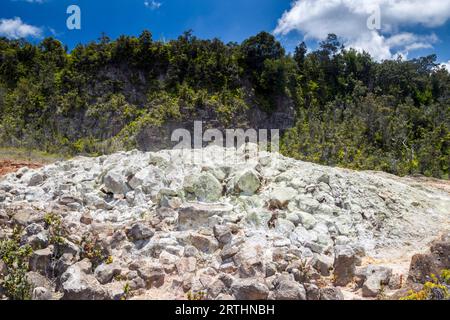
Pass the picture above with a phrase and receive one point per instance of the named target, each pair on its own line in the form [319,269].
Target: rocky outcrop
[153,225]
[344,265]
[424,265]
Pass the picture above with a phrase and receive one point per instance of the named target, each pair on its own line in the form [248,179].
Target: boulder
[86,218]
[424,265]
[41,293]
[215,288]
[153,274]
[323,264]
[207,188]
[26,216]
[194,215]
[64,262]
[293,217]
[38,241]
[325,178]
[286,289]
[307,220]
[312,291]
[77,284]
[149,180]
[284,226]
[249,289]
[139,231]
[36,280]
[186,265]
[331,293]
[344,265]
[203,243]
[376,277]
[167,258]
[383,274]
[280,197]
[250,257]
[116,182]
[222,234]
[248,182]
[106,272]
[371,287]
[32,178]
[116,290]
[228,252]
[40,260]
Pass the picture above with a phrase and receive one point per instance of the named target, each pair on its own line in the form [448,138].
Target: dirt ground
[8,166]
[444,185]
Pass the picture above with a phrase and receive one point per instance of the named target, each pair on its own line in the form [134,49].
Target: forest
[351,111]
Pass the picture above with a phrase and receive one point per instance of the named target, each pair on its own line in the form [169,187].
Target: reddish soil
[8,166]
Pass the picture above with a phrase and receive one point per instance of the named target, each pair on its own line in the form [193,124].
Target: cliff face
[152,138]
[107,115]
[232,226]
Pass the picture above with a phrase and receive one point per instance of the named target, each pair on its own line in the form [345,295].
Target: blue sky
[402,30]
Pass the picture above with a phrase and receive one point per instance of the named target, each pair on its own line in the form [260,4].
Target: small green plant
[16,258]
[382,294]
[109,260]
[126,291]
[436,289]
[92,249]
[304,270]
[54,226]
[120,277]
[445,276]
[196,296]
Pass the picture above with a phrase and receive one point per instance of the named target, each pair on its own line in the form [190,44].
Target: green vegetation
[53,225]
[92,249]
[351,111]
[196,296]
[15,257]
[29,155]
[437,289]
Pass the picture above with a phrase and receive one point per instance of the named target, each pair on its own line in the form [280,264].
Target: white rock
[207,188]
[249,182]
[307,220]
[116,182]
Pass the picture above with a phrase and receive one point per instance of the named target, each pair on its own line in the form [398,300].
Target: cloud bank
[15,28]
[315,19]
[446,65]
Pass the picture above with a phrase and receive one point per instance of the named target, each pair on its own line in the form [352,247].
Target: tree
[300,54]
[256,50]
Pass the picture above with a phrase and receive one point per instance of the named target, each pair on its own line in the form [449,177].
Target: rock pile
[156,225]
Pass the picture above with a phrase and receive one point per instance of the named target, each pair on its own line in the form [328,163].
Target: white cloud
[348,19]
[446,65]
[16,28]
[152,4]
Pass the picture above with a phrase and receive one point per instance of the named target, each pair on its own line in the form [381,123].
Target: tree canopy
[350,110]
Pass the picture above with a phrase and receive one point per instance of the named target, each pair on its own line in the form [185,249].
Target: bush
[15,256]
[437,289]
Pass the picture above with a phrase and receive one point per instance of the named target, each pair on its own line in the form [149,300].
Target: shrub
[53,224]
[437,289]
[15,256]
